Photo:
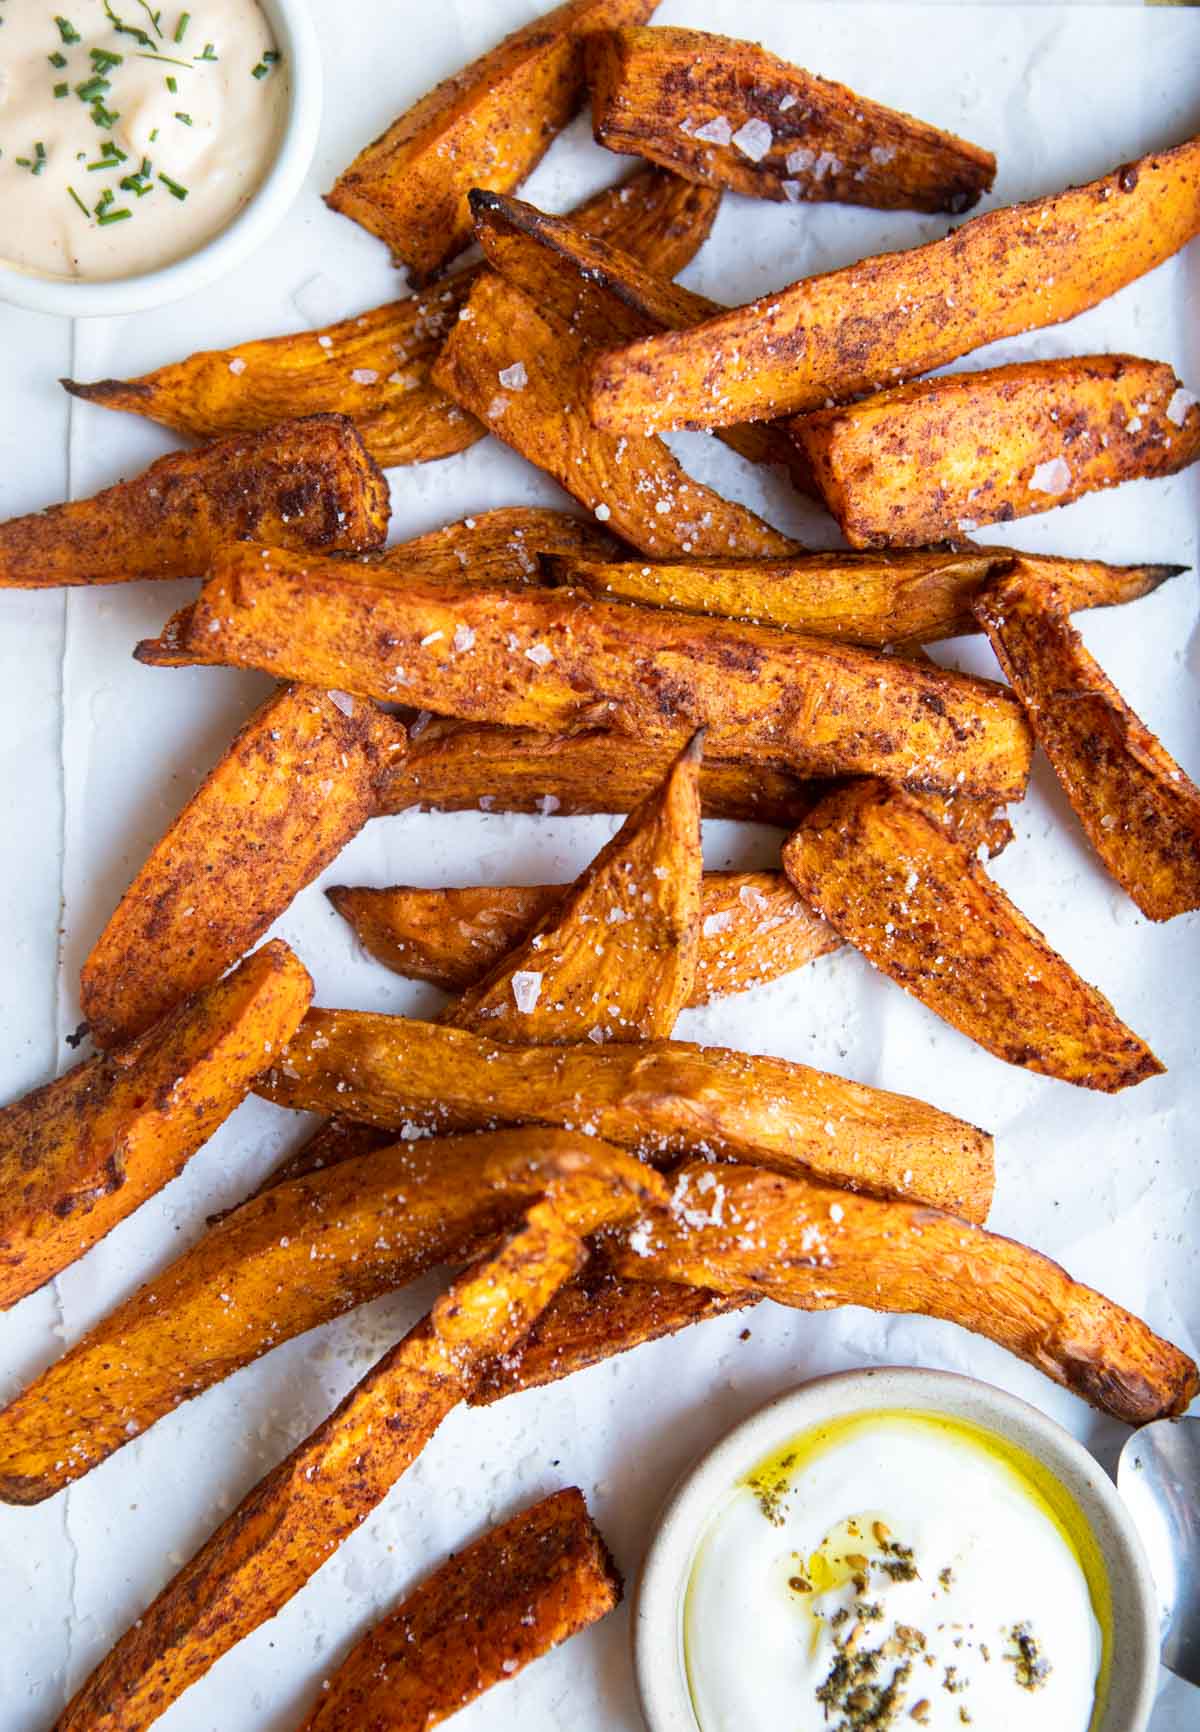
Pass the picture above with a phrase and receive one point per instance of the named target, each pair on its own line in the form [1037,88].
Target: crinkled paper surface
[98,754]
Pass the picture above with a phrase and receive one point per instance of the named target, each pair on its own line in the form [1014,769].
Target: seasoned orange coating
[375,366]
[517,1592]
[753,928]
[296,784]
[940,457]
[1140,811]
[662,1098]
[302,1252]
[80,1154]
[730,114]
[895,596]
[559,659]
[837,335]
[818,1248]
[635,485]
[502,546]
[289,1524]
[307,483]
[615,957]
[488,125]
[921,908]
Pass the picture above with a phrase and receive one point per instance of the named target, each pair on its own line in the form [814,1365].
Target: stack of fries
[596,1182]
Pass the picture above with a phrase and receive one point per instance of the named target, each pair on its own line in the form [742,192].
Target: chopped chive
[39,151]
[113,216]
[154,135]
[185,19]
[67,30]
[23,161]
[61,90]
[173,186]
[186,119]
[87,213]
[103,59]
[104,117]
[210,53]
[152,16]
[163,59]
[57,59]
[92,87]
[123,29]
[134,183]
[173,86]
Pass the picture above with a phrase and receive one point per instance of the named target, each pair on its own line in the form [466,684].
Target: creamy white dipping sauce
[899,1566]
[117,138]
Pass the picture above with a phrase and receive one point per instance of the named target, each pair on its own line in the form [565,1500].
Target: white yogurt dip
[896,1570]
[130,132]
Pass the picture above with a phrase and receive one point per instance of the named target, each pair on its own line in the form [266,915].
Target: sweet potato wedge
[816,1248]
[662,1098]
[308,483]
[837,335]
[730,114]
[614,958]
[605,296]
[83,1152]
[375,367]
[635,484]
[891,597]
[487,125]
[503,546]
[296,784]
[1140,811]
[299,1254]
[294,1519]
[753,928]
[940,457]
[558,659]
[460,766]
[517,1592]
[922,910]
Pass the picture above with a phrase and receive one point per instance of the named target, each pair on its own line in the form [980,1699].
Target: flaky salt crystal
[715,923]
[754,139]
[237,365]
[715,131]
[525,989]
[1180,406]
[1053,476]
[514,378]
[800,160]
[342,701]
[464,638]
[365,376]
[540,654]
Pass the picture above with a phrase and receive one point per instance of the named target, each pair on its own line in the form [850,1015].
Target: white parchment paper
[98,754]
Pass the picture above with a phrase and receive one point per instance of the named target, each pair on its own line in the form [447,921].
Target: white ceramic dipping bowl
[658,1605]
[296,38]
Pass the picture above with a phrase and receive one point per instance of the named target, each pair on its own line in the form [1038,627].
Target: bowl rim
[295,33]
[657,1600]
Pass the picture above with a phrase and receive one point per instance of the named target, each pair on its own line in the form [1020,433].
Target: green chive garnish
[67,30]
[61,90]
[57,59]
[87,213]
[173,86]
[92,87]
[185,118]
[173,186]
[154,135]
[113,216]
[39,151]
[152,16]
[185,19]
[210,53]
[104,117]
[104,60]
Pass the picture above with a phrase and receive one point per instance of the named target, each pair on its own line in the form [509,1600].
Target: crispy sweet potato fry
[890,597]
[300,1253]
[558,659]
[606,297]
[1140,811]
[663,1097]
[753,928]
[375,367]
[940,457]
[517,1592]
[308,483]
[296,784]
[836,335]
[82,1153]
[295,1518]
[730,114]
[815,1248]
[615,956]
[635,484]
[487,125]
[920,907]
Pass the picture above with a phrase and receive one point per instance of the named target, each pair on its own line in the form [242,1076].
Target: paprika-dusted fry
[615,956]
[296,784]
[1140,811]
[83,1152]
[375,367]
[299,1254]
[661,1097]
[753,928]
[834,336]
[308,483]
[730,114]
[297,1516]
[456,766]
[559,659]
[488,125]
[816,1248]
[895,596]
[606,296]
[940,457]
[517,1592]
[923,911]
[634,485]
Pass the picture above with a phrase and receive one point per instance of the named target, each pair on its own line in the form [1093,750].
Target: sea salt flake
[882,153]
[526,986]
[237,365]
[464,638]
[431,637]
[1180,406]
[788,101]
[548,804]
[365,376]
[792,191]
[514,378]
[752,896]
[715,131]
[754,139]
[714,923]
[603,513]
[540,654]
[342,701]
[1053,476]
[800,160]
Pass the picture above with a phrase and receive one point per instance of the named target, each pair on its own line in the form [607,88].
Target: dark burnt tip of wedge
[480,198]
[101,390]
